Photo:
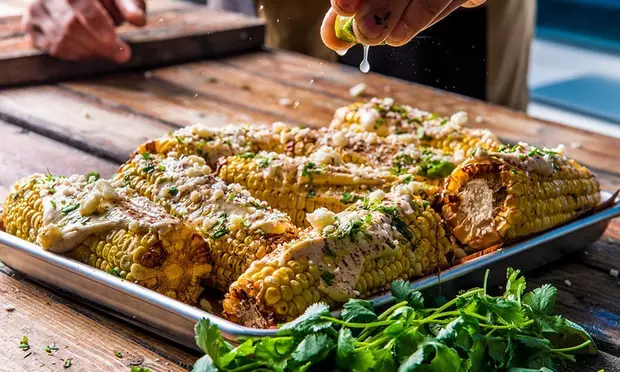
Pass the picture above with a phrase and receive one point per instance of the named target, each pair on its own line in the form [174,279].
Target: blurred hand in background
[82,29]
[395,22]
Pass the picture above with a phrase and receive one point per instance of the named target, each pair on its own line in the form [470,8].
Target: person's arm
[394,22]
[82,29]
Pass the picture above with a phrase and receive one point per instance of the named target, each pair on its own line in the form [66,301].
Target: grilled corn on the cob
[301,185]
[129,236]
[355,253]
[385,118]
[496,197]
[238,228]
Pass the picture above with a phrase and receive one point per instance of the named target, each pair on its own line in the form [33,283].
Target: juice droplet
[342,52]
[365,65]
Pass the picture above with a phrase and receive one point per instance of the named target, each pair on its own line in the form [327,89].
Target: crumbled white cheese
[326,156]
[357,90]
[613,272]
[568,282]
[376,196]
[459,118]
[339,139]
[321,218]
[278,127]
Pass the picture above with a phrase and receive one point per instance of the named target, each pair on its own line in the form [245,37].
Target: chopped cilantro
[247,155]
[161,167]
[231,197]
[220,228]
[311,194]
[51,349]
[400,163]
[146,155]
[437,169]
[23,344]
[309,169]
[118,354]
[515,172]
[348,198]
[68,362]
[264,162]
[173,190]
[69,208]
[179,140]
[148,169]
[92,176]
[53,203]
[327,277]
[114,271]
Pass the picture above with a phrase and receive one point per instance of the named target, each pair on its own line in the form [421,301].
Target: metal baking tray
[175,320]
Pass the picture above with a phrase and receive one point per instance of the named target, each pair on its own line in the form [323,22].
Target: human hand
[394,22]
[82,29]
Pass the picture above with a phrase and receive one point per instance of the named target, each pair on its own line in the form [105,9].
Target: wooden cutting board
[184,33]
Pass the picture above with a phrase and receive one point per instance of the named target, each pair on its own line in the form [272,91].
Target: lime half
[344,29]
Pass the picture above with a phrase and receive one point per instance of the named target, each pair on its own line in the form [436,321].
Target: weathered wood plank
[333,81]
[602,362]
[241,88]
[603,255]
[88,337]
[89,125]
[152,97]
[170,36]
[23,153]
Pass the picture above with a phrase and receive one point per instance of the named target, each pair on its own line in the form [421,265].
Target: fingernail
[372,26]
[132,7]
[348,6]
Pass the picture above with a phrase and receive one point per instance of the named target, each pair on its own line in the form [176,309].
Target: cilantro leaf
[346,348]
[403,292]
[275,351]
[363,361]
[309,322]
[569,334]
[204,364]
[498,307]
[541,300]
[209,340]
[313,348]
[245,349]
[515,284]
[384,360]
[358,311]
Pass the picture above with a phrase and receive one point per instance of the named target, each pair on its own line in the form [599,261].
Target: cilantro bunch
[515,332]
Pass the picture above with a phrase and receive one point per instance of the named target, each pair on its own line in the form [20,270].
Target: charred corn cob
[496,197]
[238,228]
[404,123]
[355,253]
[303,184]
[129,236]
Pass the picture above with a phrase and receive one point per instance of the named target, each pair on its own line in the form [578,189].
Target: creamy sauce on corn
[528,158]
[350,238]
[74,209]
[188,186]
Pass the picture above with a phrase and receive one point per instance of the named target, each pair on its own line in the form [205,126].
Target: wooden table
[86,125]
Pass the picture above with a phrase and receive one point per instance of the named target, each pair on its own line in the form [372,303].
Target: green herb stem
[510,326]
[454,300]
[358,325]
[570,349]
